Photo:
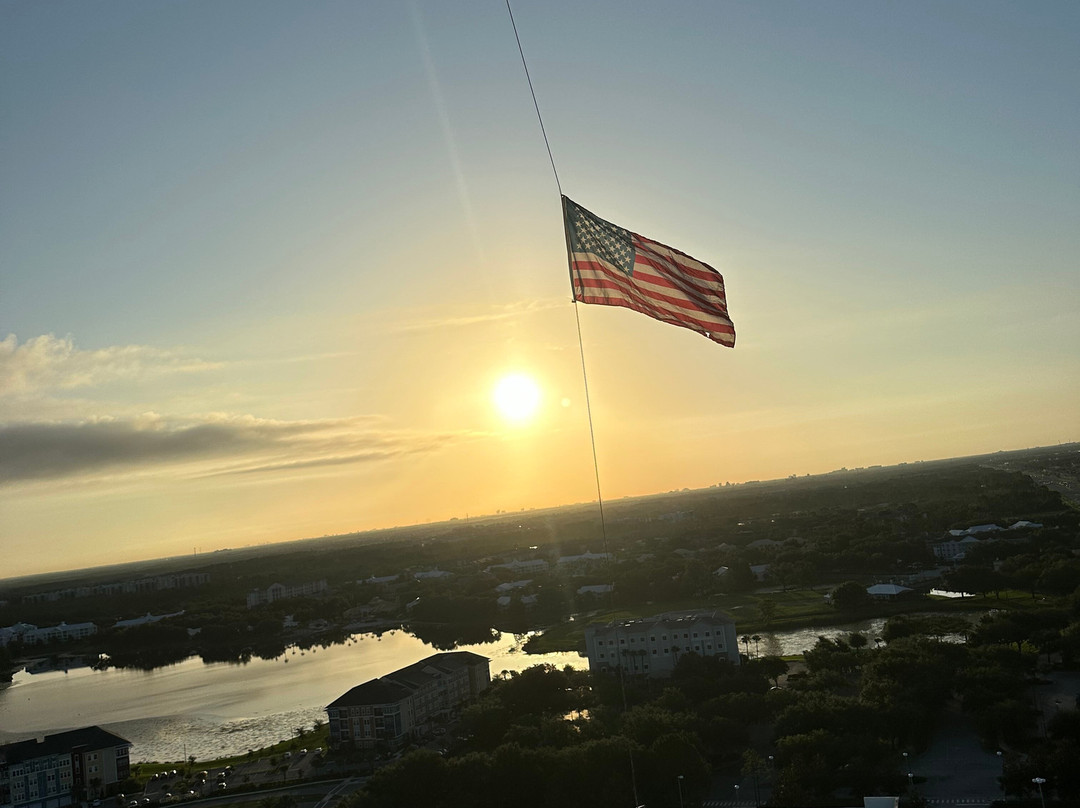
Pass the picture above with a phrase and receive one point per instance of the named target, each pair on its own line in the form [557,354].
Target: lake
[193,708]
[220,709]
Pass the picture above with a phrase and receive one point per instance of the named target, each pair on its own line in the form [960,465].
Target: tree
[978,580]
[772,667]
[767,612]
[850,596]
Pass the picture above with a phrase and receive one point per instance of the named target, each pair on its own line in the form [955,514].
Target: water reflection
[225,708]
[786,643]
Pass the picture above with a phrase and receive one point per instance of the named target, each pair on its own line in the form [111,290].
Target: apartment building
[652,646]
[278,591]
[61,769]
[402,704]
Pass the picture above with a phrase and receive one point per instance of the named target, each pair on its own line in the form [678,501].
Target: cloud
[509,311]
[49,362]
[213,445]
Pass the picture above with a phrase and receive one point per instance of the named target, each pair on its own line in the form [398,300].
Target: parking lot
[175,786]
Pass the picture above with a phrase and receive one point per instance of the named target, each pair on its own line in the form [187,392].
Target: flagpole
[585,379]
[577,314]
[539,117]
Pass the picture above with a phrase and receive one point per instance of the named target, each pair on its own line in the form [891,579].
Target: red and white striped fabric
[613,267]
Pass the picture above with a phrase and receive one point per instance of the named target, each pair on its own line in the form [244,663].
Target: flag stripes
[614,267]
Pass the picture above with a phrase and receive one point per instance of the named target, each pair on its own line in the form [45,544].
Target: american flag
[614,267]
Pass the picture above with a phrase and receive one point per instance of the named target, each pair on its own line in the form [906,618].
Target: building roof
[401,683]
[376,691]
[669,621]
[506,587]
[457,658]
[61,743]
[887,589]
[595,589]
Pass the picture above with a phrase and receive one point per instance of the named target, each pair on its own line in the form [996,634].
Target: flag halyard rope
[588,402]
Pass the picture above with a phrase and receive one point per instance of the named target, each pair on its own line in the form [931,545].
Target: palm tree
[745,640]
[757,640]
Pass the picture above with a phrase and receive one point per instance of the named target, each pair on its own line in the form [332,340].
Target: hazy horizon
[199,552]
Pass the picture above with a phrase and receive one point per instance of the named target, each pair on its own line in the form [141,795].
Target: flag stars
[611,243]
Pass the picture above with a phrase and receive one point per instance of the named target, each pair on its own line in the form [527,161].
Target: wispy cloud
[49,362]
[509,311]
[213,445]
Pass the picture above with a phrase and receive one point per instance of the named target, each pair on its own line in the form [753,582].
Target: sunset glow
[260,257]
[517,397]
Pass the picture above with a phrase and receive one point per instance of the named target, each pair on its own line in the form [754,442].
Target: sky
[263,264]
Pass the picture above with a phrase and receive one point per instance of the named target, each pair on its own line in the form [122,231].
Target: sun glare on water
[517,397]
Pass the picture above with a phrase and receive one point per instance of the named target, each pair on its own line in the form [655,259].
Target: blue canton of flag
[591,234]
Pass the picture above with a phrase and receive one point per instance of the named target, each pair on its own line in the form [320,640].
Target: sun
[517,397]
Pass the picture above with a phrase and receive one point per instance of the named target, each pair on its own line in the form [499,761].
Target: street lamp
[679,780]
[737,794]
[1039,782]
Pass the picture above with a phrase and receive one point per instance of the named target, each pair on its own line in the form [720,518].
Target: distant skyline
[264,264]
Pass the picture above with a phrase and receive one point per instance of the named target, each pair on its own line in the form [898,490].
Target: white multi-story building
[652,646]
[276,591]
[64,632]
